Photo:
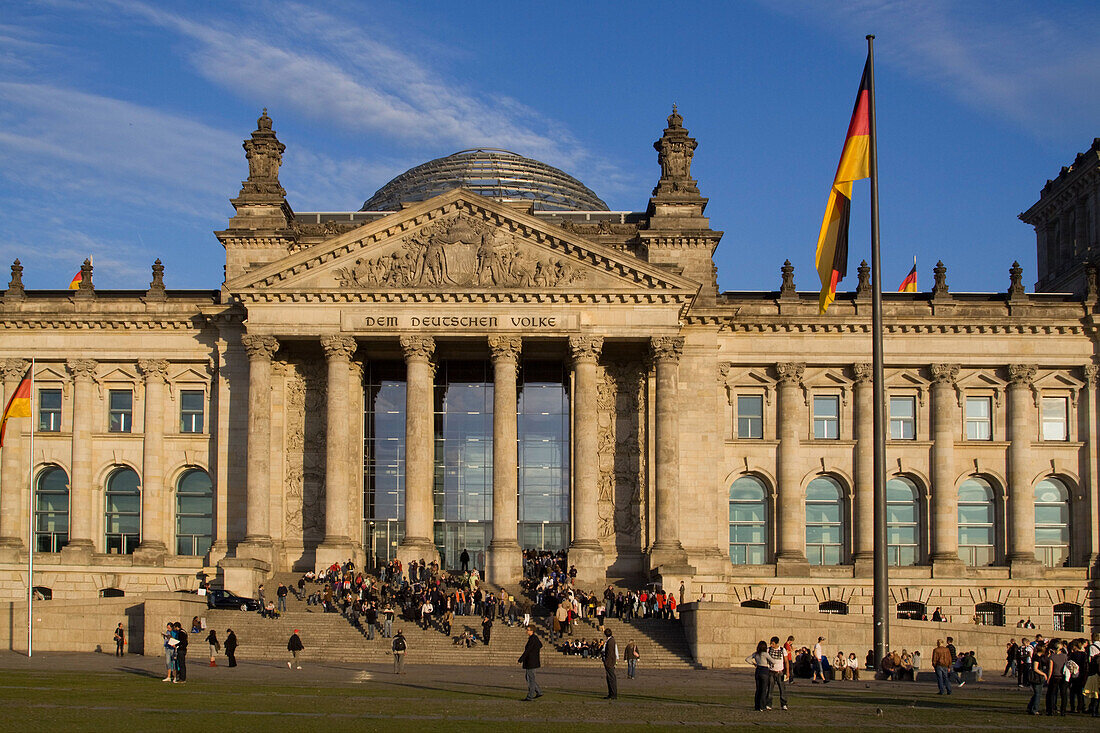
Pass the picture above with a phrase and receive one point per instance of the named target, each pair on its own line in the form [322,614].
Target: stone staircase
[330,637]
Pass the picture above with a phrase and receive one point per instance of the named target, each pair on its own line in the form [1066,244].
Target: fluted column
[14,468]
[864,544]
[505,564]
[82,505]
[257,539]
[1021,496]
[667,549]
[585,551]
[153,496]
[337,546]
[790,553]
[945,499]
[419,542]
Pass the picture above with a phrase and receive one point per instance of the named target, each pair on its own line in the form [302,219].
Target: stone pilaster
[1021,496]
[504,565]
[1090,551]
[257,543]
[153,546]
[419,542]
[666,550]
[863,551]
[14,469]
[585,551]
[790,556]
[945,498]
[337,546]
[82,504]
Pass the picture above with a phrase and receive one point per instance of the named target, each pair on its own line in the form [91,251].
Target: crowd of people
[1067,670]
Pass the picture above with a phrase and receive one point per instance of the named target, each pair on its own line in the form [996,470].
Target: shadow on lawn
[139,672]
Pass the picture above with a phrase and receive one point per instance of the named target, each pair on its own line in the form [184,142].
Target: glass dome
[493,173]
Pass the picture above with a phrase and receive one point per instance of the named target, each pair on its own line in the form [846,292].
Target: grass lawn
[127,695]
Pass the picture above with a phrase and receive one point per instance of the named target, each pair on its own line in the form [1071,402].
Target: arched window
[748,522]
[839,608]
[754,603]
[51,511]
[42,593]
[111,593]
[912,610]
[990,614]
[1052,522]
[902,522]
[194,513]
[977,526]
[824,522]
[123,515]
[1068,617]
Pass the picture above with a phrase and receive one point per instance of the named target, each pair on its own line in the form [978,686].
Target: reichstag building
[486,357]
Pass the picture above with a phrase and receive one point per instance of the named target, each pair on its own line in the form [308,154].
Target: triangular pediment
[460,242]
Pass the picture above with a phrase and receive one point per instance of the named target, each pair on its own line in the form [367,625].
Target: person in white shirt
[852,672]
[819,655]
[916,665]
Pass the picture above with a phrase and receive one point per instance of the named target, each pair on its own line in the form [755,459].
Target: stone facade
[676,391]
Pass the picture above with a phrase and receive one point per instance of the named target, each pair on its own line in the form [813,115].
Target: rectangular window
[121,411]
[192,409]
[827,417]
[1055,418]
[750,416]
[903,421]
[49,411]
[979,423]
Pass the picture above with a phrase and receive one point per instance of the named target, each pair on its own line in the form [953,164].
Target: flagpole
[30,528]
[881,572]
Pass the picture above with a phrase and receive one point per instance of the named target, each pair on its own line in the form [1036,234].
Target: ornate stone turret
[86,288]
[677,233]
[260,231]
[15,292]
[863,286]
[1016,283]
[156,290]
[939,287]
[787,289]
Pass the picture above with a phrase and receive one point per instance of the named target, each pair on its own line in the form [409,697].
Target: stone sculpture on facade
[265,154]
[675,150]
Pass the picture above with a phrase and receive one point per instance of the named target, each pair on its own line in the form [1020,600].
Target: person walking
[215,646]
[231,647]
[400,647]
[778,667]
[120,641]
[610,654]
[818,661]
[1038,678]
[762,670]
[294,646]
[941,665]
[632,657]
[530,661]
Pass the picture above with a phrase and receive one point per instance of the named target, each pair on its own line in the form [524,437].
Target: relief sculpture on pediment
[460,252]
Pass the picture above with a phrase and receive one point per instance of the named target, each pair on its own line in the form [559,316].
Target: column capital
[339,348]
[82,368]
[945,374]
[154,370]
[863,372]
[1091,371]
[790,372]
[585,348]
[259,347]
[1022,375]
[505,347]
[13,369]
[418,348]
[667,348]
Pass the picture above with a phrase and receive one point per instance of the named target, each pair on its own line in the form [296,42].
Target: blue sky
[121,122]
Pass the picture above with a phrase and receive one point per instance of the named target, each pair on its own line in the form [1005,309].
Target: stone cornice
[1048,329]
[100,324]
[537,297]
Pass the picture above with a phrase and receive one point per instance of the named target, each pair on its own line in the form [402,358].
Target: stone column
[14,469]
[505,564]
[863,554]
[666,551]
[257,539]
[1021,495]
[945,498]
[337,546]
[153,547]
[1088,536]
[419,540]
[82,504]
[790,555]
[585,551]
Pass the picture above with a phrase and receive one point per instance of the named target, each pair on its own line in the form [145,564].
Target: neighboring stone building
[361,378]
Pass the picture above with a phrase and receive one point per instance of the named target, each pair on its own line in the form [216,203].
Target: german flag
[855,164]
[19,404]
[78,277]
[909,284]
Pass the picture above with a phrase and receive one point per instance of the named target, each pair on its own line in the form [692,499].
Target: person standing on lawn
[530,660]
